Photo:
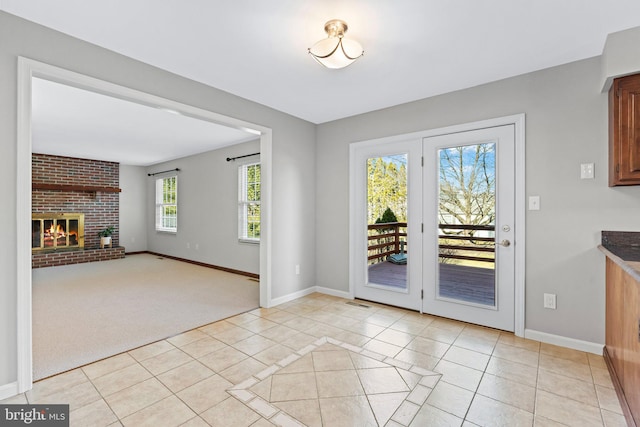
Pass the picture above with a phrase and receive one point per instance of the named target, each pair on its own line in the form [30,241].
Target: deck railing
[458,241]
[455,242]
[384,240]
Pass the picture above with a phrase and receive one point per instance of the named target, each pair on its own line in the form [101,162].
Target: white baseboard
[8,390]
[333,292]
[290,297]
[308,291]
[586,346]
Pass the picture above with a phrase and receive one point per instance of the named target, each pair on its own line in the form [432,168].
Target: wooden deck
[470,284]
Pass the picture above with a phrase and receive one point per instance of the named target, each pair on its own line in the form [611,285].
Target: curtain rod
[158,173]
[240,157]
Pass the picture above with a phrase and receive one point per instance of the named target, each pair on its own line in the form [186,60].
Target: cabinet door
[624,131]
[632,345]
[615,318]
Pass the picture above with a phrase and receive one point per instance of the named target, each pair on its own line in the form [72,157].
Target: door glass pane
[466,229]
[388,248]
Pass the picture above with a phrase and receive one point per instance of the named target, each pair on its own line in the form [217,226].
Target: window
[249,202]
[167,204]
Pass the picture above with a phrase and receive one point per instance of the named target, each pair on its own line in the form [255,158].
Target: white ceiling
[413,48]
[67,121]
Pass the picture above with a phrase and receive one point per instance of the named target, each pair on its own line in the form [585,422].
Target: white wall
[566,125]
[207,210]
[133,208]
[293,201]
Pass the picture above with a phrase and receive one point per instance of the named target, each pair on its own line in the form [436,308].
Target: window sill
[167,231]
[250,241]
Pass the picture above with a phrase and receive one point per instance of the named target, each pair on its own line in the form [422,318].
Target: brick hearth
[101,209]
[50,259]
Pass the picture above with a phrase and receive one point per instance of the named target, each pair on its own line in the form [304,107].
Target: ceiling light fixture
[335,51]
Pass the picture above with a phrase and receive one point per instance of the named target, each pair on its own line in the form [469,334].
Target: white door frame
[27,69]
[518,121]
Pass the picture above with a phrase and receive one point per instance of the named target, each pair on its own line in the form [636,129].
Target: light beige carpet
[86,312]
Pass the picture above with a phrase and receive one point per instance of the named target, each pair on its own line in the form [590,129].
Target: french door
[448,248]
[386,257]
[469,223]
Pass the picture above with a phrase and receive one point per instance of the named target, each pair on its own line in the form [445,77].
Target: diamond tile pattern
[318,361]
[344,382]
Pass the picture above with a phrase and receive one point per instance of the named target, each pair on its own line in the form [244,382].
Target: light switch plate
[534,203]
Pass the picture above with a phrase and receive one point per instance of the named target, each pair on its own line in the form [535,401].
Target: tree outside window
[249,202]
[167,204]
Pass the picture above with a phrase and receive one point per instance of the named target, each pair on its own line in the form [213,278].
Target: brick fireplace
[65,188]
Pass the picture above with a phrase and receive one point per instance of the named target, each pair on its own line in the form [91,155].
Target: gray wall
[133,208]
[293,203]
[207,210]
[566,124]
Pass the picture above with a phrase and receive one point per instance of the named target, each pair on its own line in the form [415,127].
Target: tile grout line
[300,312]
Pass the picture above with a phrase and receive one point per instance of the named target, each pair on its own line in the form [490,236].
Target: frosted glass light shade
[336,51]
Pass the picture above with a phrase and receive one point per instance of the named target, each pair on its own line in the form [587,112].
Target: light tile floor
[323,361]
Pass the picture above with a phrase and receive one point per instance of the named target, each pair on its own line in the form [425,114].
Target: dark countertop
[627,253]
[623,248]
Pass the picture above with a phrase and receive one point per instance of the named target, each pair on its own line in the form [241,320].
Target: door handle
[506,243]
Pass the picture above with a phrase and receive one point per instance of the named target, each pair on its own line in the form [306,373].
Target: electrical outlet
[550,301]
[297,269]
[197,246]
[188,245]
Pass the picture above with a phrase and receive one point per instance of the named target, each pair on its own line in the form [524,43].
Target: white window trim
[242,203]
[159,205]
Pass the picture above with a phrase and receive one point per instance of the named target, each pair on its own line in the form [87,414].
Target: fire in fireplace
[57,231]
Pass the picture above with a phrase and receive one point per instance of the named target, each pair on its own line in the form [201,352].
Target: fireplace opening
[53,231]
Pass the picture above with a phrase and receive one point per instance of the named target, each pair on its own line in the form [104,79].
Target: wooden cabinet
[624,131]
[623,338]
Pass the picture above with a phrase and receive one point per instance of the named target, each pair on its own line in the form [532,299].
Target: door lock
[506,243]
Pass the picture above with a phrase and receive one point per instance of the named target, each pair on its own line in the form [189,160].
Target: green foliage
[253,221]
[387,187]
[251,204]
[387,216]
[253,183]
[107,231]
[169,190]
